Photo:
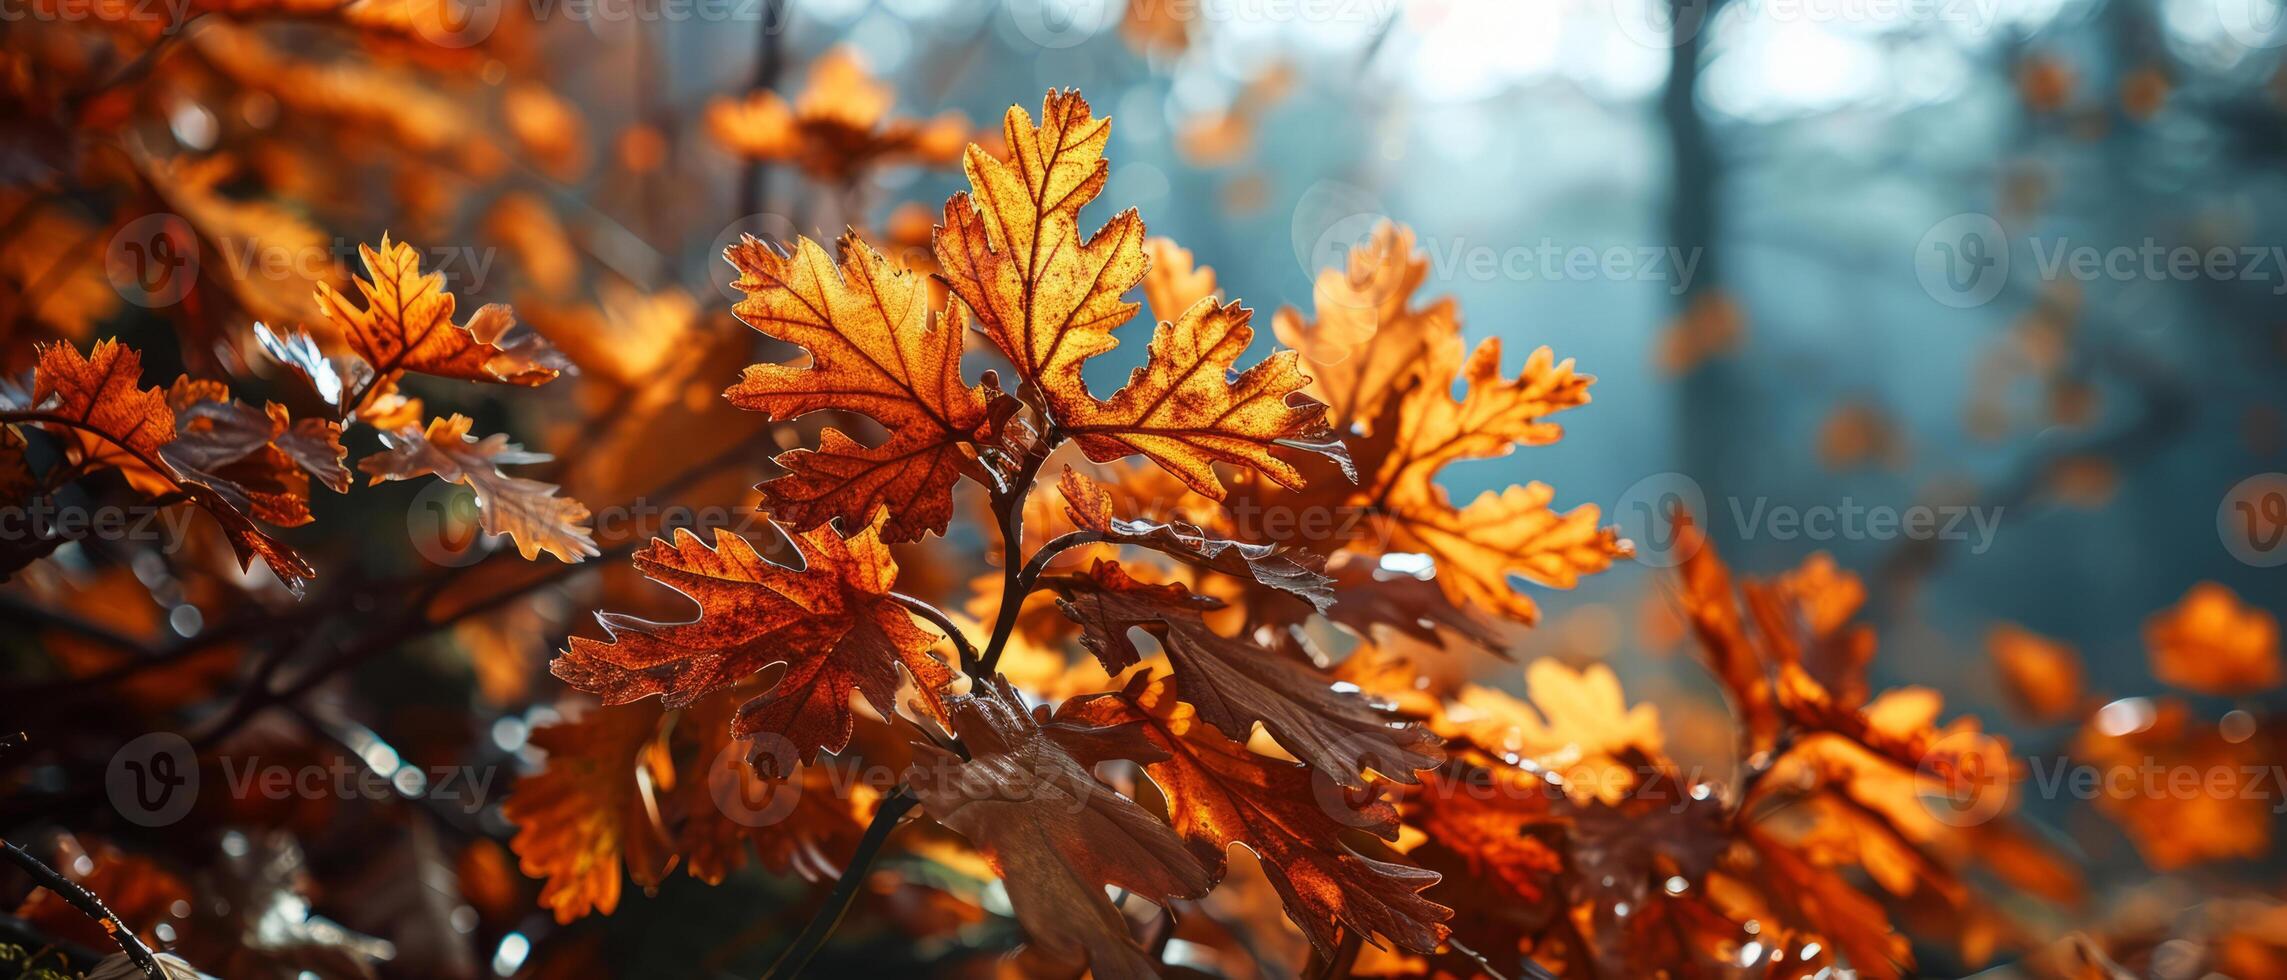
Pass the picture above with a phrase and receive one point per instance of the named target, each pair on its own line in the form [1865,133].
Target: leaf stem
[822,922]
[85,901]
[1011,506]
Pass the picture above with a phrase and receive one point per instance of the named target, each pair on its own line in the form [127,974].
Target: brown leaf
[1220,794]
[1090,507]
[1027,800]
[528,511]
[1236,684]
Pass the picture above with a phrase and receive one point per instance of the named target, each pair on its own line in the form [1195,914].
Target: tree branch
[822,922]
[85,901]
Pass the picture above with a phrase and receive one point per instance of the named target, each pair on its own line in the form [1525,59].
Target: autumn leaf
[2041,676]
[837,128]
[95,404]
[528,511]
[1220,794]
[582,818]
[1368,337]
[1049,300]
[834,625]
[1237,684]
[873,350]
[262,461]
[1027,800]
[298,350]
[2213,643]
[1090,507]
[1185,411]
[406,324]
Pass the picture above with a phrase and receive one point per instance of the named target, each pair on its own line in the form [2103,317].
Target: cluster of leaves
[194,442]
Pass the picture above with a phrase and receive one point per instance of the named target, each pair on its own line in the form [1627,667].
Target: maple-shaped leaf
[1012,251]
[1236,684]
[808,824]
[1368,337]
[406,324]
[117,424]
[1047,299]
[528,511]
[1515,531]
[96,405]
[585,815]
[1185,411]
[1090,507]
[833,623]
[839,126]
[874,351]
[1027,800]
[1220,794]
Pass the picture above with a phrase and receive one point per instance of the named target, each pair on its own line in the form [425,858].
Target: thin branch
[1010,505]
[85,901]
[797,956]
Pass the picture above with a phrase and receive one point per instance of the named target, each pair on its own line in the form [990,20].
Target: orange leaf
[2213,643]
[874,351]
[587,813]
[831,623]
[407,325]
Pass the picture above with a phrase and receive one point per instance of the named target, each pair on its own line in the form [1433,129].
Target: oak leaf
[873,350]
[1220,794]
[834,624]
[585,815]
[407,324]
[1236,684]
[1090,508]
[1048,299]
[1027,800]
[101,411]
[528,511]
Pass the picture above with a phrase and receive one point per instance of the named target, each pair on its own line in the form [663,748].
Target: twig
[797,957]
[85,901]
[1010,505]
